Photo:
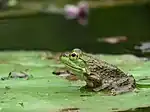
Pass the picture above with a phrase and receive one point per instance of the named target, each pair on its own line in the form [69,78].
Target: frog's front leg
[93,81]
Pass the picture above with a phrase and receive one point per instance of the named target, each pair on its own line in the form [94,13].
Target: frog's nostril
[64,54]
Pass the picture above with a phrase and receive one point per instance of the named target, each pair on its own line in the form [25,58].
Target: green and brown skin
[99,75]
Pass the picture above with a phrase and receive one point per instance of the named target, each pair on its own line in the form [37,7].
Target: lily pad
[46,92]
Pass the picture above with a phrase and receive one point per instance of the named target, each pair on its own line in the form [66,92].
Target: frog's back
[104,69]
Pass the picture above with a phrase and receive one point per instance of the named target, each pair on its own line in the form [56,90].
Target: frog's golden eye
[73,55]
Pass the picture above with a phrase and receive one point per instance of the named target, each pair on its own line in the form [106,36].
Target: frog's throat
[77,69]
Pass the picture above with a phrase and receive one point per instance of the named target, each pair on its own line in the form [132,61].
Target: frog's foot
[86,89]
[121,90]
[136,90]
[113,92]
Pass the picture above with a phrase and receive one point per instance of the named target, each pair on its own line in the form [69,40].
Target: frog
[98,74]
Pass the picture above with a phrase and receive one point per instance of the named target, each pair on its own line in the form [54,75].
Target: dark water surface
[53,32]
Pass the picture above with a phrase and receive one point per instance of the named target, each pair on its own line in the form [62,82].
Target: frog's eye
[73,55]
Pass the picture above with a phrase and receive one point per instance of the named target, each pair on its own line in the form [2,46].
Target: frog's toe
[96,89]
[89,84]
[136,90]
[113,92]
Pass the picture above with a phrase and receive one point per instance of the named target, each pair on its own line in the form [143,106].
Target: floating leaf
[46,92]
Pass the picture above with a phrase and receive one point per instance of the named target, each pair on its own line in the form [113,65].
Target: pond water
[54,32]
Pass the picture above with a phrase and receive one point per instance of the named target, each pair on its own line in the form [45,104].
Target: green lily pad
[46,92]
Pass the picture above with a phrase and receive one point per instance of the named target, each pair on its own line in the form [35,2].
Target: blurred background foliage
[30,29]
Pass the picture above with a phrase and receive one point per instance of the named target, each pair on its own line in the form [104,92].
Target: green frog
[98,74]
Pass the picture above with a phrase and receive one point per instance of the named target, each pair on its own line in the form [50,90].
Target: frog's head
[74,61]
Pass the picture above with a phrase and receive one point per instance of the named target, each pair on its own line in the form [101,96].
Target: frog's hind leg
[123,85]
[100,88]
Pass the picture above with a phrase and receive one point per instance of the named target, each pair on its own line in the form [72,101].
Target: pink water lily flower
[78,12]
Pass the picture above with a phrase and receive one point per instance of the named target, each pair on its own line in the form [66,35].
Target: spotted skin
[98,74]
